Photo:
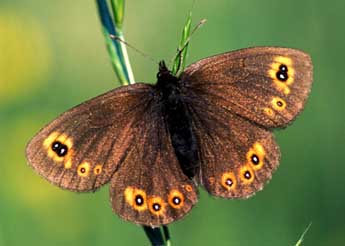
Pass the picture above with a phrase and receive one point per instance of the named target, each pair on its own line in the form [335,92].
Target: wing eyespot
[228,181]
[156,206]
[98,169]
[255,159]
[278,103]
[282,73]
[246,174]
[188,188]
[176,199]
[139,200]
[83,169]
[283,68]
[59,148]
[136,198]
[269,112]
[255,156]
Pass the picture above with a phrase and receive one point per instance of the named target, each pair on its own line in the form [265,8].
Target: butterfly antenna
[132,47]
[180,50]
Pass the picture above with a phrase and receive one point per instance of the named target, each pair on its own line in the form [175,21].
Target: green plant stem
[128,66]
[158,236]
[299,243]
[118,9]
[116,49]
[180,59]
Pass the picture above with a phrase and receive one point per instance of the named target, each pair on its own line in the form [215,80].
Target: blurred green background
[52,57]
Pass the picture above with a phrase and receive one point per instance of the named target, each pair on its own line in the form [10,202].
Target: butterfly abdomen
[179,122]
[182,137]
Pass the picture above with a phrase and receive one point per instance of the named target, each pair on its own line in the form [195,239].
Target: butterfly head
[166,81]
[163,71]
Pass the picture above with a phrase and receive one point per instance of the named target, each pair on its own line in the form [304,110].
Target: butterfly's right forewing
[81,149]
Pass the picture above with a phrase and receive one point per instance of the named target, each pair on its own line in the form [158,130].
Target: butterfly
[211,126]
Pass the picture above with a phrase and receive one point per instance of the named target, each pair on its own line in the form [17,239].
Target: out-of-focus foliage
[52,57]
[22,67]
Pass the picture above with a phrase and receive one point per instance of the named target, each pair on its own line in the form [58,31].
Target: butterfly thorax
[167,85]
[178,119]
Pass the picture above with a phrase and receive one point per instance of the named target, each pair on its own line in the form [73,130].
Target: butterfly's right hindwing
[81,149]
[150,187]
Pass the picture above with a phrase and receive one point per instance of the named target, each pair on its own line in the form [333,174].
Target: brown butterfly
[210,126]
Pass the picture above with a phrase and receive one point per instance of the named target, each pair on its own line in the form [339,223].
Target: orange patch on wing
[278,103]
[282,86]
[283,60]
[269,112]
[228,180]
[131,194]
[64,139]
[188,188]
[156,205]
[256,155]
[246,174]
[98,169]
[83,169]
[176,199]
[68,163]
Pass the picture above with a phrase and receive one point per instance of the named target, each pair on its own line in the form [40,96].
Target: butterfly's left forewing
[81,149]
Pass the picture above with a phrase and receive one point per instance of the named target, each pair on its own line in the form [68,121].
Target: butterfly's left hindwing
[237,157]
[150,187]
[81,149]
[265,85]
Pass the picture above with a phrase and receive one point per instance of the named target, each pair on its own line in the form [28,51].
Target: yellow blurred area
[31,192]
[25,58]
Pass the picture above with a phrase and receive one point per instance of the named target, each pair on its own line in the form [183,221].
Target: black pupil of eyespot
[176,200]
[56,145]
[255,159]
[229,182]
[82,170]
[59,148]
[282,76]
[283,68]
[139,200]
[156,206]
[279,103]
[282,73]
[247,175]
